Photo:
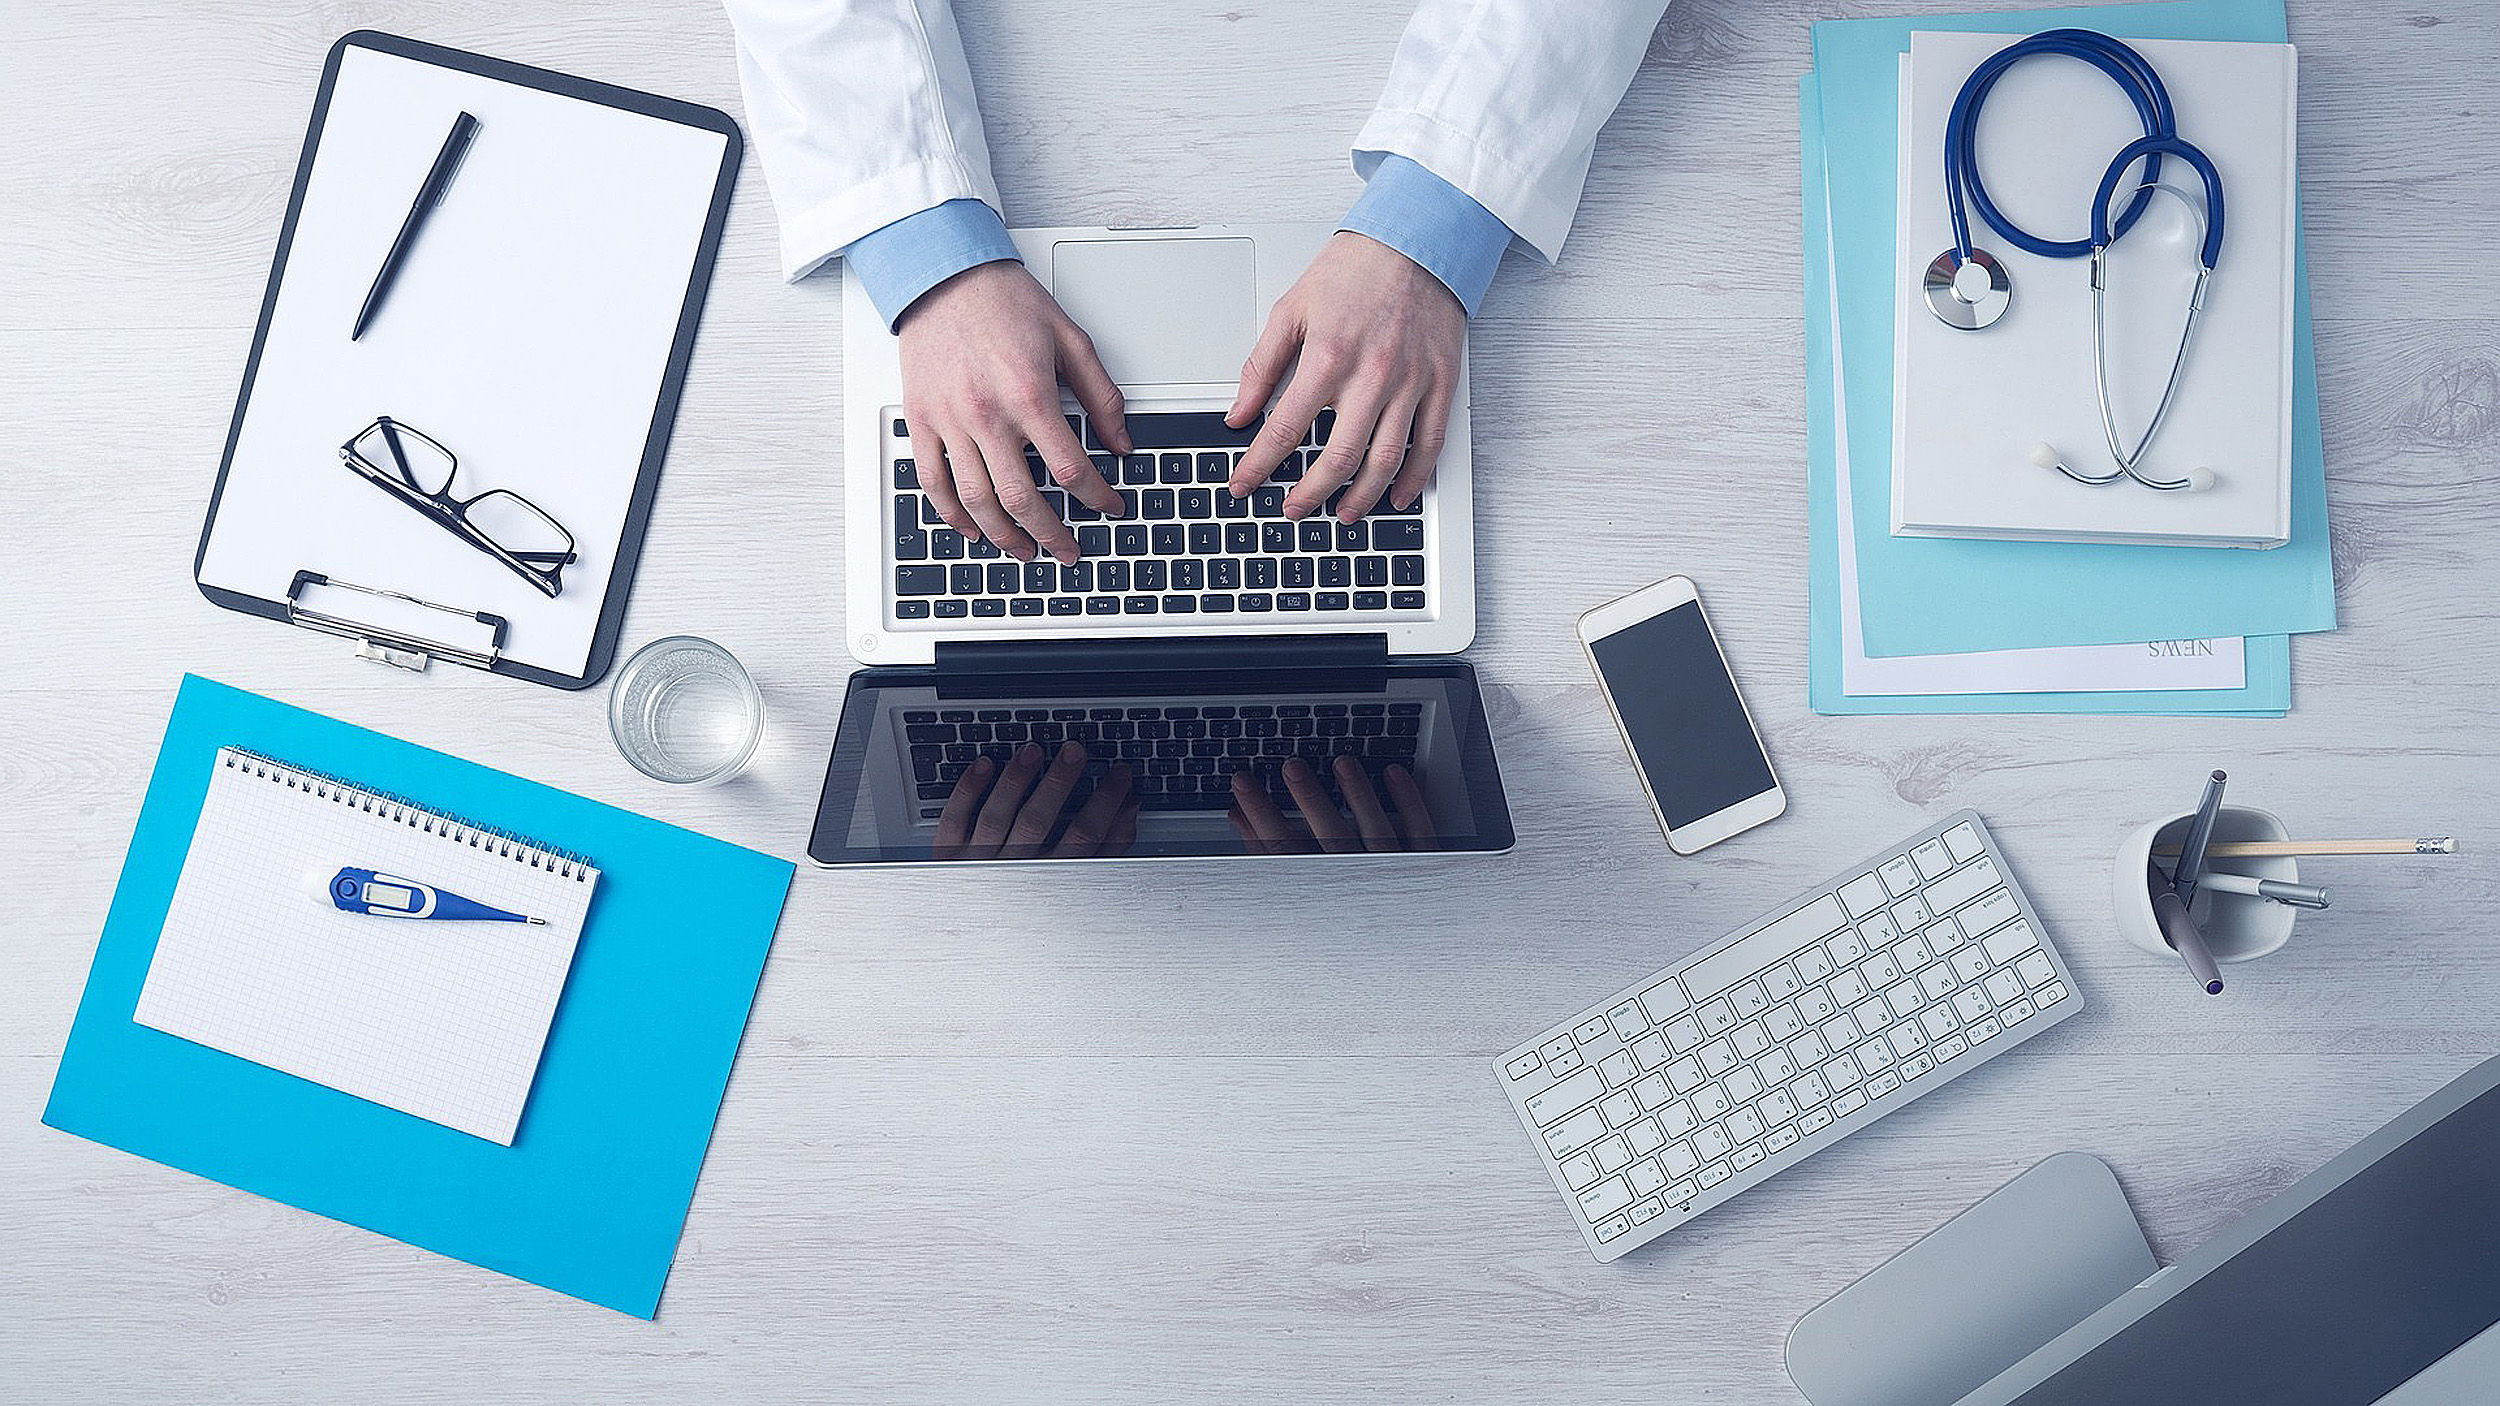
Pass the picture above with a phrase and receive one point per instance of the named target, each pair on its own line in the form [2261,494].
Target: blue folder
[2014,595]
[2267,692]
[591,1195]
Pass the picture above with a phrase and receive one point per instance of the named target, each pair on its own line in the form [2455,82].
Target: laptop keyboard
[1180,756]
[1187,546]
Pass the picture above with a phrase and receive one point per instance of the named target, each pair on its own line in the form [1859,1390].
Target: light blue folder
[2013,595]
[591,1195]
[2267,692]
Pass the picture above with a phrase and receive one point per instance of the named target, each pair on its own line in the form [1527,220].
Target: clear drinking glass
[683,711]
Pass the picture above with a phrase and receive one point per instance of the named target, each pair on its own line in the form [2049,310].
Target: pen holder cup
[2236,929]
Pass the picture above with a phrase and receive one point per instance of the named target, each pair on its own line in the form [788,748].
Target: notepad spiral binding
[401,810]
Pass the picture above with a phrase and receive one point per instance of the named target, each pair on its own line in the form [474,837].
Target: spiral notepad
[442,1020]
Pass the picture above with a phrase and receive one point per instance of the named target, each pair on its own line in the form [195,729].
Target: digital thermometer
[388,896]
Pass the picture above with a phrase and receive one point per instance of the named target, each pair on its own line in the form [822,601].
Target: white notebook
[440,1019]
[1968,406]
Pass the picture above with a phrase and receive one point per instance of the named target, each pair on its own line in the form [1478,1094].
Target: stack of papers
[1944,625]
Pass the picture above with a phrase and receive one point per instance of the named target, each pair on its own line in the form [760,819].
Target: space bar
[1723,969]
[1187,429]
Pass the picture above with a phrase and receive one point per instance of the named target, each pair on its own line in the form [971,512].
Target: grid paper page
[443,1020]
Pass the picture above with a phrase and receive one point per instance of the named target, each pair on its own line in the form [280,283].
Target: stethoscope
[1967,287]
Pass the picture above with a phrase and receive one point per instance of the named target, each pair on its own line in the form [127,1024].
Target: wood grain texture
[1225,1133]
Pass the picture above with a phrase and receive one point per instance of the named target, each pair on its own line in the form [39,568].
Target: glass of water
[685,712]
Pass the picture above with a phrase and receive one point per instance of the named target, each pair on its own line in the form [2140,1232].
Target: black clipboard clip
[397,648]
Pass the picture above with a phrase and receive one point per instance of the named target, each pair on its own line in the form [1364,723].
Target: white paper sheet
[443,1020]
[1969,405]
[529,332]
[2100,668]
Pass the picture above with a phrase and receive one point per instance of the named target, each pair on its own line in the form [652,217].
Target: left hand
[1380,340]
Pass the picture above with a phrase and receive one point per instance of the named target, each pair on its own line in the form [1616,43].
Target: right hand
[983,356]
[1011,812]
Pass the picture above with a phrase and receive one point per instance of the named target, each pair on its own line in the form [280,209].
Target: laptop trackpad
[1162,310]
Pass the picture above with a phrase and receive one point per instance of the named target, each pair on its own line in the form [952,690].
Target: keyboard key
[1618,1069]
[1652,1092]
[1605,1198]
[1684,1075]
[1746,1156]
[2018,1012]
[1646,1176]
[1646,1211]
[1963,842]
[1985,1030]
[1932,861]
[2050,994]
[1187,429]
[1718,1017]
[1612,1227]
[1916,1065]
[1848,1103]
[1717,1058]
[1523,1065]
[1568,1094]
[1780,1141]
[1863,895]
[1985,914]
[1713,1174]
[920,580]
[1407,600]
[1815,1121]
[1650,1051]
[2033,967]
[1589,1030]
[1900,876]
[1712,1143]
[1613,1154]
[1394,535]
[1962,885]
[1580,1172]
[2010,942]
[1882,1084]
[1951,1047]
[1645,1138]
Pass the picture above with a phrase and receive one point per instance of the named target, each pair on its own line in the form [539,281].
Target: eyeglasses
[418,471]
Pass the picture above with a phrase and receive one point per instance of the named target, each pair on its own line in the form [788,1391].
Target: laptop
[1204,644]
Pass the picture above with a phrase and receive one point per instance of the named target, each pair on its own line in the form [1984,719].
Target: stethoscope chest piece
[1967,293]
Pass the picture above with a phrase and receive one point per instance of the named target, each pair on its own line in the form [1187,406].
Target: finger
[1432,430]
[1276,834]
[1123,836]
[1004,478]
[998,813]
[1287,426]
[1356,419]
[1072,470]
[1081,367]
[1086,833]
[1318,812]
[1041,813]
[1380,465]
[937,476]
[1378,833]
[1250,841]
[1414,816]
[973,484]
[1266,366]
[955,822]
[1023,502]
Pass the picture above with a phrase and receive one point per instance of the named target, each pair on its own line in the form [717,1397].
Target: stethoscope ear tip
[2044,455]
[2200,479]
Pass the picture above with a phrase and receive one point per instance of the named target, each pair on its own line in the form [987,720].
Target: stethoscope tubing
[2134,76]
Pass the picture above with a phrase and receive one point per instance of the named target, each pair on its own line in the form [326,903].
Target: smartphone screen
[1681,712]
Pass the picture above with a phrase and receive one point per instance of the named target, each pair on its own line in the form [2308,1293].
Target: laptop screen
[1160,765]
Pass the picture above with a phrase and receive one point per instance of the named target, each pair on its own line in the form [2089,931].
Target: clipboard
[540,330]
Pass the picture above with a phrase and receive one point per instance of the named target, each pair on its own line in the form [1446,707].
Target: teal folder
[2014,595]
[590,1197]
[2267,692]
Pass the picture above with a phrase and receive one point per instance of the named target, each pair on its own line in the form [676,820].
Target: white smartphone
[1692,741]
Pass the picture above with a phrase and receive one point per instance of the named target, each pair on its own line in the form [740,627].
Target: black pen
[438,180]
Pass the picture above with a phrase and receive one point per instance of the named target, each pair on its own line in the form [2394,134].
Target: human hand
[1379,339]
[1014,818]
[1265,830]
[983,355]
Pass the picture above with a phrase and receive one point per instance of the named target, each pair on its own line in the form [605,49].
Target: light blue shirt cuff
[916,253]
[1434,223]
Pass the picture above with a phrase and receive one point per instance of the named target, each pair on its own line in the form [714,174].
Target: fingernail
[1069,751]
[1028,752]
[980,766]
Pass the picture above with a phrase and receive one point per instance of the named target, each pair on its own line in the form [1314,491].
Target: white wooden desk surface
[1225,1133]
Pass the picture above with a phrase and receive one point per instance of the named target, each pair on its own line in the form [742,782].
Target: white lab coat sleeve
[862,112]
[1503,99]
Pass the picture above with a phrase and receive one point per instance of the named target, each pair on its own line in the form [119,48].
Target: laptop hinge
[1230,654]
[966,661]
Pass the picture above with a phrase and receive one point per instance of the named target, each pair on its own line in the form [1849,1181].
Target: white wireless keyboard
[1706,1079]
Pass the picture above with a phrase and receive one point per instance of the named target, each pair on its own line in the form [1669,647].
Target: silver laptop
[1173,314]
